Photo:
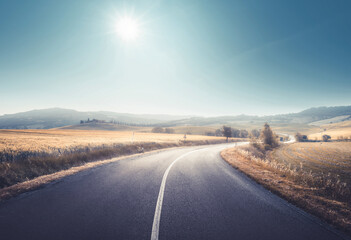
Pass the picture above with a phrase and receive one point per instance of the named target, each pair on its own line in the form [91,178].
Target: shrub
[326,138]
[255,133]
[268,138]
[301,138]
[157,130]
[169,130]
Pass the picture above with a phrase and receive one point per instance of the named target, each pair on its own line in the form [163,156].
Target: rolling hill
[58,117]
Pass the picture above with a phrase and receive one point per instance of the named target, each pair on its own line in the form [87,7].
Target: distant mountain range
[58,117]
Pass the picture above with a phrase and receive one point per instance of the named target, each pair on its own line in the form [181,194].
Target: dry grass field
[26,154]
[53,140]
[315,176]
[335,130]
[333,158]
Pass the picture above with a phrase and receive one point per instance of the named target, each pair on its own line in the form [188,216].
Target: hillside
[105,127]
[334,130]
[57,117]
[303,117]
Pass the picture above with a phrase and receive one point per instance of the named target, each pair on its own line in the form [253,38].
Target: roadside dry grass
[29,185]
[303,174]
[28,154]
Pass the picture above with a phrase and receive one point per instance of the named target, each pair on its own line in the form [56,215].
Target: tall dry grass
[314,177]
[26,154]
[327,184]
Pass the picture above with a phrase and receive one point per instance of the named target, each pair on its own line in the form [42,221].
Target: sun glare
[127,28]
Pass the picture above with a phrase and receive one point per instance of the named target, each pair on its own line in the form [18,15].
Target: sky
[194,57]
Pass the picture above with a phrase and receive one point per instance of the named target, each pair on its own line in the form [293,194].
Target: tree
[235,132]
[227,132]
[269,139]
[301,138]
[218,133]
[255,133]
[157,130]
[210,134]
[244,133]
[326,138]
[169,130]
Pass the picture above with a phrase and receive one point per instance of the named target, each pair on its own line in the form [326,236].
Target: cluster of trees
[162,130]
[236,133]
[113,122]
[92,121]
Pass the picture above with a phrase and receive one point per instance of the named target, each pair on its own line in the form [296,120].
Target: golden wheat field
[26,154]
[318,157]
[45,140]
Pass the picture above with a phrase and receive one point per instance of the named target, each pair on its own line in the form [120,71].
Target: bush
[244,133]
[255,133]
[157,130]
[301,138]
[235,132]
[326,138]
[218,133]
[269,139]
[169,130]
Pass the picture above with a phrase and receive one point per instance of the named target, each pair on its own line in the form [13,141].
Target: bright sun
[127,28]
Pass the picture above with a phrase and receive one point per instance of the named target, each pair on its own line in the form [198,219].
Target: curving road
[185,193]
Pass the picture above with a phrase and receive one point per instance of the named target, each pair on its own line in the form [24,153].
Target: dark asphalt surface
[204,198]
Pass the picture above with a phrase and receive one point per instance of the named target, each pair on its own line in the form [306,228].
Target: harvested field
[49,140]
[334,130]
[332,158]
[315,176]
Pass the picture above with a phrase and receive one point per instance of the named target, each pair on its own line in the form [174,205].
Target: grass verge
[320,197]
[28,174]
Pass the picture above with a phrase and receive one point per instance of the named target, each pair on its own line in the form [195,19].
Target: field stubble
[315,176]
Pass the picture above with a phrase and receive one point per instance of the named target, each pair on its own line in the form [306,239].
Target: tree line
[162,130]
[114,122]
[229,132]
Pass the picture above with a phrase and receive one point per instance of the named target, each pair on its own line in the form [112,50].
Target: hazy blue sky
[193,57]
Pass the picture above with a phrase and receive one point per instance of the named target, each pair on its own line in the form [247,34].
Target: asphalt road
[202,198]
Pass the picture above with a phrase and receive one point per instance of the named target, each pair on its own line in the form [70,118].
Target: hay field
[49,140]
[316,176]
[27,154]
[333,158]
[335,130]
